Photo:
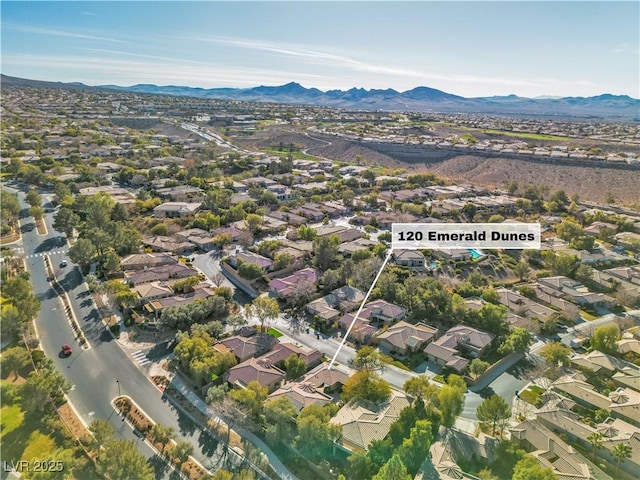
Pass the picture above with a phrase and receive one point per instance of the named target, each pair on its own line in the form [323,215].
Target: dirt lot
[590,183]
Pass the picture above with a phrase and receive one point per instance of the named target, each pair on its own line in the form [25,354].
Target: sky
[471,48]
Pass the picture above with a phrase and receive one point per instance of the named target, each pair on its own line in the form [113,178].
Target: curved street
[101,372]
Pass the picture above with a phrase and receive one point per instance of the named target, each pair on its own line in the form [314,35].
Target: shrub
[37,356]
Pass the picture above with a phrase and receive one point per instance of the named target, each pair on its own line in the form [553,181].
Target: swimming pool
[475,253]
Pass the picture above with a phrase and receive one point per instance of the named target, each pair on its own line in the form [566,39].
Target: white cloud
[59,33]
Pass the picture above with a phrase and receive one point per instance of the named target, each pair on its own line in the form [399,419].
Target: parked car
[63,263]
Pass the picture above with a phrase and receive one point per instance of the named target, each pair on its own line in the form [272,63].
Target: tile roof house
[152,290]
[446,350]
[622,402]
[409,258]
[551,451]
[323,378]
[363,423]
[282,351]
[199,292]
[284,287]
[141,261]
[405,338]
[301,394]
[343,299]
[249,257]
[255,369]
[247,347]
[166,244]
[613,431]
[161,273]
[175,209]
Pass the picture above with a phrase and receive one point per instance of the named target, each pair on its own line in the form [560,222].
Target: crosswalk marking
[141,358]
[42,254]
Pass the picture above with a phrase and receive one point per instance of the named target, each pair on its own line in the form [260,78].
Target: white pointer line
[375,280]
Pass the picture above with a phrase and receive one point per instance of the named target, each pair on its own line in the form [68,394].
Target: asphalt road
[93,372]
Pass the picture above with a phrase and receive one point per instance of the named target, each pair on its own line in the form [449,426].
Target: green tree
[264,309]
[280,415]
[295,366]
[315,433]
[360,467]
[102,432]
[555,353]
[521,270]
[254,222]
[517,341]
[451,401]
[181,451]
[160,229]
[366,385]
[605,337]
[420,387]
[477,367]
[162,435]
[494,411]
[111,262]
[415,449]
[36,212]
[252,397]
[620,452]
[82,252]
[595,439]
[33,198]
[305,232]
[249,270]
[326,251]
[491,296]
[394,469]
[529,469]
[16,358]
[368,358]
[121,460]
[42,388]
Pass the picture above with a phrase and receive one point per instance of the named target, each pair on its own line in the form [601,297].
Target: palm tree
[620,452]
[595,439]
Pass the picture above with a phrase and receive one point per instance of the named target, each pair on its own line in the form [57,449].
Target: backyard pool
[475,253]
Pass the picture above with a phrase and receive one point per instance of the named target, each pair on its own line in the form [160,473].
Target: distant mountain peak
[420,98]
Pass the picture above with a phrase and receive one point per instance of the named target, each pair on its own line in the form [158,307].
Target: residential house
[446,351]
[614,431]
[413,259]
[551,451]
[291,218]
[167,244]
[152,291]
[577,292]
[622,403]
[325,379]
[282,351]
[300,280]
[175,209]
[302,394]
[258,370]
[141,261]
[159,274]
[523,306]
[247,346]
[404,338]
[199,292]
[362,423]
[264,263]
[343,299]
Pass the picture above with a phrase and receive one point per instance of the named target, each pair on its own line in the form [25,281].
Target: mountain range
[419,99]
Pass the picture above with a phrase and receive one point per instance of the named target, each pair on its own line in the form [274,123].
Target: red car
[66,349]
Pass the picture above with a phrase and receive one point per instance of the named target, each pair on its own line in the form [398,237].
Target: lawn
[532,394]
[274,333]
[587,316]
[22,437]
